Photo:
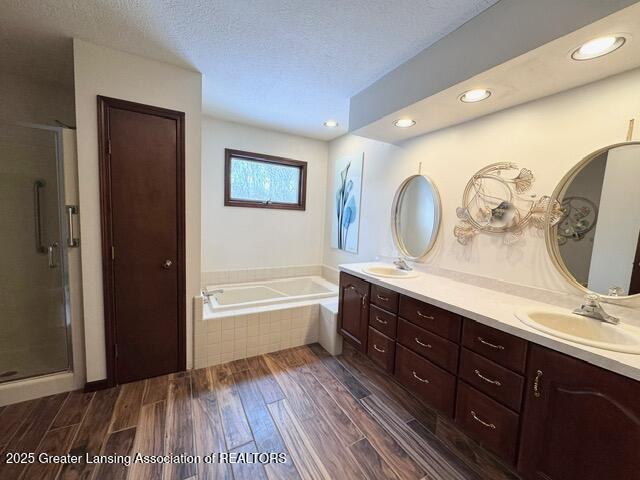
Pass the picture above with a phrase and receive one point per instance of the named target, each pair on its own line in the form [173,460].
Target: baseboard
[96,385]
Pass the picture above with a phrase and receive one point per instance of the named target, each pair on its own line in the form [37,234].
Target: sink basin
[587,331]
[389,272]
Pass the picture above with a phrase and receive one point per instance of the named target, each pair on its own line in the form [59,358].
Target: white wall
[237,237]
[547,136]
[26,99]
[102,71]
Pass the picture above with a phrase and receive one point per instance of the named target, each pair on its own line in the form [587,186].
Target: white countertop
[496,309]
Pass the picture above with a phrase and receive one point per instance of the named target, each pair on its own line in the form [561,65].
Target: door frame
[104,160]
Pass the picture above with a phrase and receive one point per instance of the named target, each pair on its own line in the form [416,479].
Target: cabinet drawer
[381,350]
[428,381]
[384,298]
[440,351]
[493,426]
[383,321]
[501,347]
[434,319]
[489,377]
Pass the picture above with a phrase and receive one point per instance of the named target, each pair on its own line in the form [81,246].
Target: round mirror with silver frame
[596,243]
[415,217]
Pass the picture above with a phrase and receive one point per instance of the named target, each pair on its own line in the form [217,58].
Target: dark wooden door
[142,173]
[584,425]
[353,313]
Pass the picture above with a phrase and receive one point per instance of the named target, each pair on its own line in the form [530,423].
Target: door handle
[38,185]
[52,263]
[71,211]
[167,264]
[536,384]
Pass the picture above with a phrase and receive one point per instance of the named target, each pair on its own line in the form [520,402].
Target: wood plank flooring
[332,417]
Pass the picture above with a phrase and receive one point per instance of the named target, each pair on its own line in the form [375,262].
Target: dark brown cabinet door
[353,314]
[580,422]
[142,177]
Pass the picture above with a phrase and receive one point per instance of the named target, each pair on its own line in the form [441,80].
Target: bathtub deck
[333,417]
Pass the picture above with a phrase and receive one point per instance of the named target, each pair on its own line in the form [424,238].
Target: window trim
[260,157]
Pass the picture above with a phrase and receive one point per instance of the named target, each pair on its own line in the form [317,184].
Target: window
[264,181]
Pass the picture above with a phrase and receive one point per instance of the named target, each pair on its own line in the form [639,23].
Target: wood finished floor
[334,417]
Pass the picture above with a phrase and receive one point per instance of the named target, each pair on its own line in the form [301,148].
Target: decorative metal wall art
[497,201]
[579,217]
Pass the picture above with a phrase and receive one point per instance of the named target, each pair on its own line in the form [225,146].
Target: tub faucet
[207,294]
[592,308]
[402,265]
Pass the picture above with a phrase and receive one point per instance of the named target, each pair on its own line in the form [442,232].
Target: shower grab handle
[72,241]
[37,186]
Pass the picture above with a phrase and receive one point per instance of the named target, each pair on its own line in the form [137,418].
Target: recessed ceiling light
[331,123]
[598,47]
[475,95]
[404,123]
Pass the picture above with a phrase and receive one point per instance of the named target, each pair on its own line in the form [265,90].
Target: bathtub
[245,319]
[222,298]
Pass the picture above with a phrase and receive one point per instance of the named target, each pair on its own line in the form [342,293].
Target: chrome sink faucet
[401,264]
[592,308]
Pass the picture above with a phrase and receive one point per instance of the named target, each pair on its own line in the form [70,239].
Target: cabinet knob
[167,264]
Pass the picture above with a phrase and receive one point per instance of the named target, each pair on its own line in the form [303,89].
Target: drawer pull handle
[381,350]
[536,384]
[428,317]
[427,345]
[488,380]
[423,380]
[364,301]
[384,299]
[479,420]
[379,320]
[492,345]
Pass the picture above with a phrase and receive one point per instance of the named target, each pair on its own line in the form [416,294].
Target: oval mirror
[596,243]
[415,216]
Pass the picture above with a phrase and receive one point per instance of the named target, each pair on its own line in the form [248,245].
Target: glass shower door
[34,327]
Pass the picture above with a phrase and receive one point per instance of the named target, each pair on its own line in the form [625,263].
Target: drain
[8,373]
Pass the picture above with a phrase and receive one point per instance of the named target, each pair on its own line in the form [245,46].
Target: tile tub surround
[497,309]
[223,339]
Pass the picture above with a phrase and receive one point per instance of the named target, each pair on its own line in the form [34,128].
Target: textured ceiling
[283,64]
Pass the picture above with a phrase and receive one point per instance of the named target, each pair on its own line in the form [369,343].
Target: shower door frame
[64,255]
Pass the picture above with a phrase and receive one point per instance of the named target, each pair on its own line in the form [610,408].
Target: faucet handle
[592,299]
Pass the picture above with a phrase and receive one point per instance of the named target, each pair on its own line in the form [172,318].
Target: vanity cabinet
[579,421]
[353,310]
[553,416]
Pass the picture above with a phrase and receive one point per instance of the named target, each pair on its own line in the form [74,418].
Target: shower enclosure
[35,234]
